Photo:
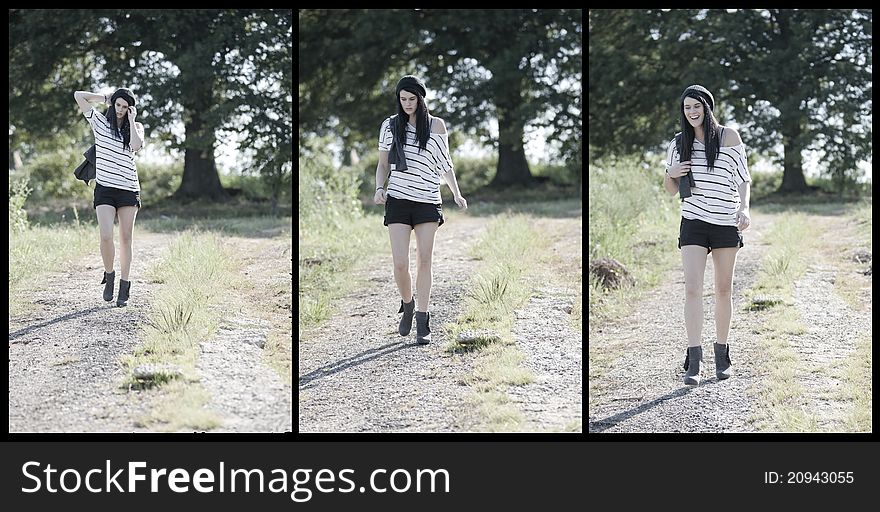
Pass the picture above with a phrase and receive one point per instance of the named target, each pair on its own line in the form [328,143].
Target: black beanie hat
[702,92]
[125,94]
[411,82]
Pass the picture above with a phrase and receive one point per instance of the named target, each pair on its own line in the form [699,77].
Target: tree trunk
[793,181]
[200,177]
[512,165]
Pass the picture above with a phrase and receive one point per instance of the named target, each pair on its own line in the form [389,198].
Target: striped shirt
[716,197]
[114,166]
[421,180]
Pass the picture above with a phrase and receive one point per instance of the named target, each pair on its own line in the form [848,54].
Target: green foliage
[18,194]
[632,220]
[797,77]
[326,194]
[559,174]
[51,174]
[158,180]
[207,70]
[764,184]
[255,189]
[474,173]
[523,67]
[624,198]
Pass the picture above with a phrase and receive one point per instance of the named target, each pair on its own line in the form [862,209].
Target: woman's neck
[698,133]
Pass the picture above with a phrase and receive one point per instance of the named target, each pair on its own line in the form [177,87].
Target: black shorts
[116,197]
[404,211]
[710,236]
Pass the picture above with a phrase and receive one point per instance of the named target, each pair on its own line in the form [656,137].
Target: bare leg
[694,260]
[127,215]
[425,243]
[725,261]
[400,254]
[106,214]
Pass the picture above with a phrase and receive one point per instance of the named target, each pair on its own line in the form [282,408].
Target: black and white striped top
[421,181]
[114,166]
[716,197]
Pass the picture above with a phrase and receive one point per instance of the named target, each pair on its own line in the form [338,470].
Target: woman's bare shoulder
[730,138]
[439,126]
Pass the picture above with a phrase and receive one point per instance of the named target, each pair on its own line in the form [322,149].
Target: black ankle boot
[108,285]
[692,365]
[722,361]
[124,287]
[406,322]
[423,329]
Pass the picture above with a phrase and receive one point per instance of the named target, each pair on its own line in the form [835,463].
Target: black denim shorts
[116,197]
[404,211]
[710,236]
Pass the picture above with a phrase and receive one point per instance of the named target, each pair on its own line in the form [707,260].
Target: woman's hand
[743,220]
[461,202]
[380,196]
[680,169]
[132,112]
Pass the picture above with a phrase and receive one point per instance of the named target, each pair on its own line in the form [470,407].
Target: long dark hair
[123,132]
[710,132]
[421,121]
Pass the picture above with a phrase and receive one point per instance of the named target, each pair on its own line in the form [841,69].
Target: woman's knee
[401,265]
[693,291]
[107,236]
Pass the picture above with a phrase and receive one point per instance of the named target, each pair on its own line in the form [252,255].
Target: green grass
[260,227]
[857,387]
[194,272]
[184,407]
[633,220]
[785,261]
[857,370]
[328,252]
[539,199]
[862,216]
[41,250]
[498,413]
[849,284]
[507,249]
[779,392]
[780,395]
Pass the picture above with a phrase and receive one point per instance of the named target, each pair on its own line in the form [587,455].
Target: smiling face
[409,101]
[693,111]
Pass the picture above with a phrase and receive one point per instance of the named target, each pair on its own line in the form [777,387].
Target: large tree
[800,78]
[511,65]
[207,69]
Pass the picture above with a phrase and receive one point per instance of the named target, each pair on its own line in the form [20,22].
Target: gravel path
[250,396]
[356,374]
[832,330]
[552,346]
[64,358]
[642,391]
[64,369]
